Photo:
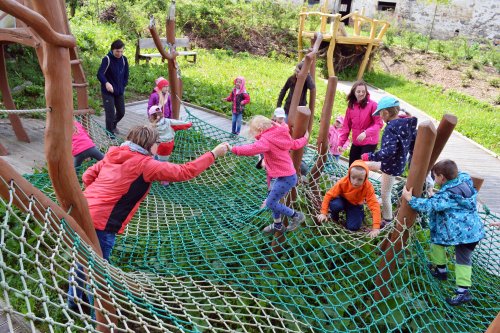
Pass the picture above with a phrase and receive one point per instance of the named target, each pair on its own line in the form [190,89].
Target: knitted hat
[162,83]
[279,113]
[384,103]
[154,109]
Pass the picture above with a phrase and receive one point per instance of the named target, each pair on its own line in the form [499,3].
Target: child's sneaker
[443,276]
[459,298]
[295,221]
[270,229]
[385,223]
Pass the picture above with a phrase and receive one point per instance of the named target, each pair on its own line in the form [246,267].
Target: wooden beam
[393,245]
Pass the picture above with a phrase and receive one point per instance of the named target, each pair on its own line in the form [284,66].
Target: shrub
[495,83]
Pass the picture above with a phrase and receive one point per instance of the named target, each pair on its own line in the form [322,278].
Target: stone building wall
[472,18]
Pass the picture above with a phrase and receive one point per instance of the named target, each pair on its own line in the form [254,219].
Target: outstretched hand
[221,149]
[407,193]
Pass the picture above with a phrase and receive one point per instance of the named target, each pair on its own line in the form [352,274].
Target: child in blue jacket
[453,221]
[397,145]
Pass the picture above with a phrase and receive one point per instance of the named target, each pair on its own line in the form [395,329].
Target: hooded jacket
[398,141]
[453,216]
[275,143]
[115,71]
[333,138]
[239,98]
[358,120]
[356,196]
[116,185]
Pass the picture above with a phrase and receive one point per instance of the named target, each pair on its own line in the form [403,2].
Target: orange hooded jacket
[356,196]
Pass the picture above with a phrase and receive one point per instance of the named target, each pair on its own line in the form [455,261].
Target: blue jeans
[106,241]
[354,213]
[236,124]
[279,188]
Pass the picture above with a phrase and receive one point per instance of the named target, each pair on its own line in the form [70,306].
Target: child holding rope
[239,98]
[348,195]
[275,142]
[82,146]
[453,221]
[161,97]
[397,145]
[116,186]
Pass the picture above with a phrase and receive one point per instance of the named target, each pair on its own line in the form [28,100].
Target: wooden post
[495,325]
[322,142]
[331,47]
[14,119]
[426,137]
[176,93]
[302,19]
[477,182]
[444,131]
[368,52]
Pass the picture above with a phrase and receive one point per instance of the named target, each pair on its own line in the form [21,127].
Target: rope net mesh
[194,259]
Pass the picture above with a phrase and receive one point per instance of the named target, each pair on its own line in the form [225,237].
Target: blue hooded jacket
[398,141]
[453,216]
[115,71]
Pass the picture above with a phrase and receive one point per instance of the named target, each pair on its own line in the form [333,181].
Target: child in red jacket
[275,142]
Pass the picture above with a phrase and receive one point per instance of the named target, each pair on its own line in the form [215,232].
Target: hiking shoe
[270,229]
[295,221]
[443,276]
[459,298]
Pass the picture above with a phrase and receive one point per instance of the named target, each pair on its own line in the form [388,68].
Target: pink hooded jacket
[333,138]
[360,120]
[275,143]
[80,141]
[239,98]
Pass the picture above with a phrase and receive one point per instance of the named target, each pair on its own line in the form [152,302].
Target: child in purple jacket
[275,142]
[239,97]
[161,97]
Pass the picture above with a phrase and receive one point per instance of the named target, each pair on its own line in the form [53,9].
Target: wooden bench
[148,44]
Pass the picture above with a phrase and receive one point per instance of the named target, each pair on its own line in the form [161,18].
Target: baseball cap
[384,103]
[279,113]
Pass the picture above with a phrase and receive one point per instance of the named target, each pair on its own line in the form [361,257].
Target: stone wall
[471,18]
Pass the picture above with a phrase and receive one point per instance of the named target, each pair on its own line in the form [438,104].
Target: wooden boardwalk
[468,155]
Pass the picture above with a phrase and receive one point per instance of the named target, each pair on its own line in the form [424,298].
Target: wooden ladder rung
[75,61]
[80,85]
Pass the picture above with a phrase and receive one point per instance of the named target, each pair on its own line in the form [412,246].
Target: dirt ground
[432,69]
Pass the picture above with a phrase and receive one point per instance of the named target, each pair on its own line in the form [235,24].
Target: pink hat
[340,119]
[154,109]
[159,79]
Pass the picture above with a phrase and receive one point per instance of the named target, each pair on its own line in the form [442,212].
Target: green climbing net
[193,259]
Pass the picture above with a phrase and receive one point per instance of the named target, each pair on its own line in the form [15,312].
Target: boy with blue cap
[397,145]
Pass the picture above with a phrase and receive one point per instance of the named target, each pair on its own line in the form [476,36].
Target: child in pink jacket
[333,139]
[82,146]
[239,97]
[359,120]
[275,142]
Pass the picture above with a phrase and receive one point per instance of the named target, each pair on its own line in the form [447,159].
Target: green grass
[477,120]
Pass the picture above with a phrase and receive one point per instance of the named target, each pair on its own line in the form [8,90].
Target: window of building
[386,6]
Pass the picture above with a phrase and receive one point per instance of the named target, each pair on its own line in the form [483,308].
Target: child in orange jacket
[348,195]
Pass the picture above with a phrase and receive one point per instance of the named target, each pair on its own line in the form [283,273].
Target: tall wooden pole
[175,86]
[444,131]
[392,246]
[322,141]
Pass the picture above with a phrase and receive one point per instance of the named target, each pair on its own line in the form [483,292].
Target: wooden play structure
[343,50]
[32,33]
